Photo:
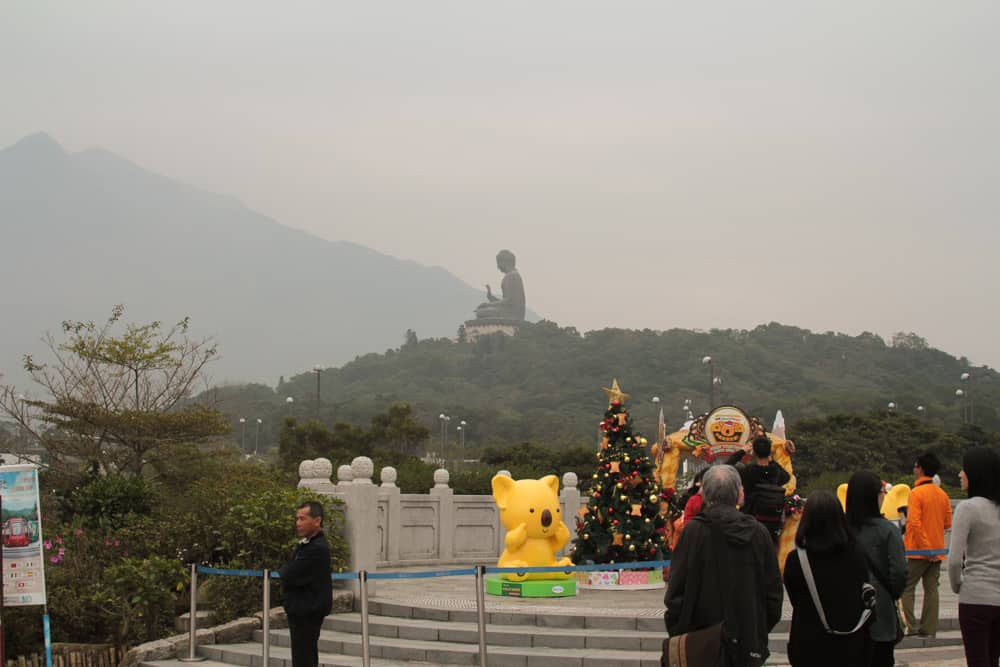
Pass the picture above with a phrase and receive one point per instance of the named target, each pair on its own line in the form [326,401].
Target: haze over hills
[84,231]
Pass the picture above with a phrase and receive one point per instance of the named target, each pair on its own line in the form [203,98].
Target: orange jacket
[928,515]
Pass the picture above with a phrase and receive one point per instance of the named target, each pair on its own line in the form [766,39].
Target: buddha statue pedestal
[486,326]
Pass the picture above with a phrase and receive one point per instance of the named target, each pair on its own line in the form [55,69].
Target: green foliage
[81,602]
[111,501]
[141,594]
[834,447]
[255,534]
[540,386]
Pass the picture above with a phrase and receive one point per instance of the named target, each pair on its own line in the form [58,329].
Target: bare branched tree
[109,400]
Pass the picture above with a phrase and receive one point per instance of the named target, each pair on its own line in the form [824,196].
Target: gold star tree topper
[615,393]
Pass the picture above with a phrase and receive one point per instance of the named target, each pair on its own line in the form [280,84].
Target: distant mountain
[84,231]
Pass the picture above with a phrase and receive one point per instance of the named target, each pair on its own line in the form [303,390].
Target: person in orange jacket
[928,516]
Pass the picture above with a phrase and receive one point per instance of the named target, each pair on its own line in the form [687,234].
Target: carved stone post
[389,523]
[569,498]
[446,516]
[361,499]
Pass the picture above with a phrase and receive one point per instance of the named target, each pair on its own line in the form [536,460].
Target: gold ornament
[627,536]
[618,485]
[615,393]
[631,547]
[595,475]
[647,521]
[586,536]
[627,459]
[643,442]
[652,499]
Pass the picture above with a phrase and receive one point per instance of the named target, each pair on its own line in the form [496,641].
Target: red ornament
[616,402]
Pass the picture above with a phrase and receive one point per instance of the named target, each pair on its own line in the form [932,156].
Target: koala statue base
[530,511]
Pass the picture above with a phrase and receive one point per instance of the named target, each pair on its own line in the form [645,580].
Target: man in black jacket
[729,576]
[307,585]
[762,479]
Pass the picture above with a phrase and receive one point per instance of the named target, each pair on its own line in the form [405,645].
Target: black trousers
[883,654]
[305,639]
[980,624]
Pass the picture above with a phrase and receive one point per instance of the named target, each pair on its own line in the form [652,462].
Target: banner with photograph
[21,531]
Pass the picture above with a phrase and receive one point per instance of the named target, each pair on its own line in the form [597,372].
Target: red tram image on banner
[18,532]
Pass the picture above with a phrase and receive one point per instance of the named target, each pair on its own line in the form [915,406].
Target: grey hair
[721,485]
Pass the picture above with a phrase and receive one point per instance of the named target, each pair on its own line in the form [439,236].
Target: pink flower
[78,532]
[107,542]
[118,543]
[125,553]
[55,559]
[48,544]
[61,552]
[58,539]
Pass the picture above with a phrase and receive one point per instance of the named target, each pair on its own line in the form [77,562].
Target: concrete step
[414,653]
[947,638]
[649,620]
[498,635]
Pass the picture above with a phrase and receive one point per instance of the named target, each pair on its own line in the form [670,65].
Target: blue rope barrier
[643,565]
[422,575]
[230,573]
[461,572]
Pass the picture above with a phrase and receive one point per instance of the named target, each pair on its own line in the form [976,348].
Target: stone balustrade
[387,528]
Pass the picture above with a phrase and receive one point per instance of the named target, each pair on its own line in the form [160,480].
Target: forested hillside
[544,385]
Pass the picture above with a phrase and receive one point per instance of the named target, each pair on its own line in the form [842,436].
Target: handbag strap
[811,584]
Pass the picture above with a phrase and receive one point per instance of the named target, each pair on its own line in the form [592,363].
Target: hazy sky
[829,165]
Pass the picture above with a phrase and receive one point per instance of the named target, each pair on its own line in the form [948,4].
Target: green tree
[397,429]
[112,400]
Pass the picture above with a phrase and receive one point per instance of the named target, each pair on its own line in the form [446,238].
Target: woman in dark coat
[883,548]
[839,570]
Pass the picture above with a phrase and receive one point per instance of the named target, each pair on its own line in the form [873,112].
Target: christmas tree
[621,522]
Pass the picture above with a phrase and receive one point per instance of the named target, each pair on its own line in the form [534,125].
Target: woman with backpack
[827,567]
[974,559]
[883,549]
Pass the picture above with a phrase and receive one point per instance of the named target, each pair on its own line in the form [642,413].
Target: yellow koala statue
[530,511]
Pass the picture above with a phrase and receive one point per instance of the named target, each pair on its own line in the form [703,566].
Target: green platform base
[532,588]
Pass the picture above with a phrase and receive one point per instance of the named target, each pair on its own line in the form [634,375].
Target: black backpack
[767,502]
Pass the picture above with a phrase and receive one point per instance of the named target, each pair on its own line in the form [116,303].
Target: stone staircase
[416,634]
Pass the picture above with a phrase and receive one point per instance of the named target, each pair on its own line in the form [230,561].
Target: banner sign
[21,531]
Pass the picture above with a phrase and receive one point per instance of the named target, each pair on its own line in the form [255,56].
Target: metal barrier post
[192,622]
[266,620]
[481,611]
[366,658]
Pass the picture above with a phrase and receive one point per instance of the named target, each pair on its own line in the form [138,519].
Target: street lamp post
[318,370]
[922,411]
[256,439]
[289,401]
[892,407]
[966,379]
[444,433]
[461,429]
[961,394]
[707,360]
[243,434]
